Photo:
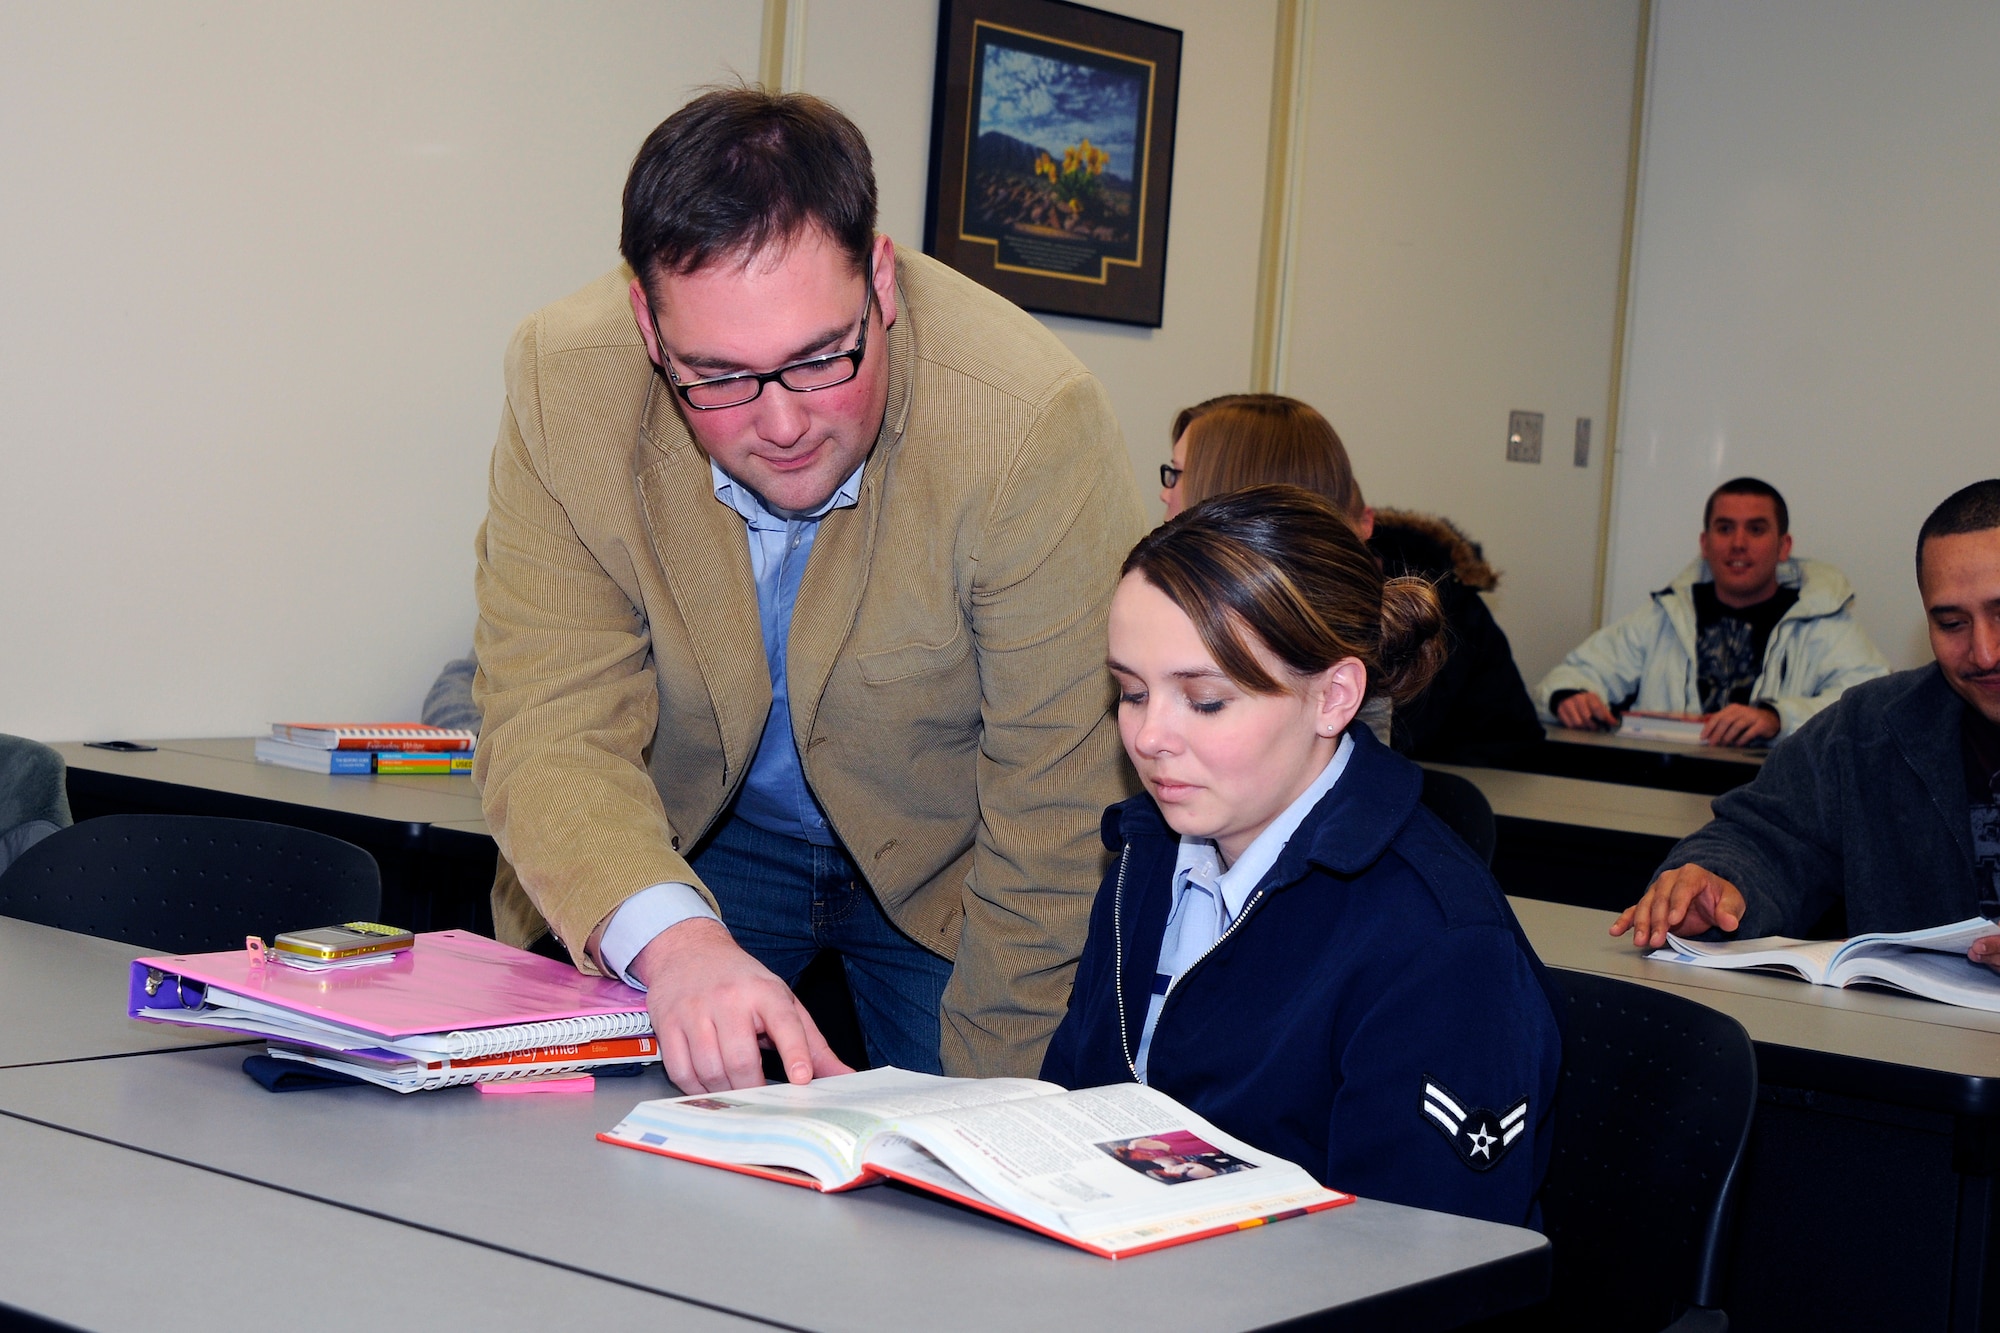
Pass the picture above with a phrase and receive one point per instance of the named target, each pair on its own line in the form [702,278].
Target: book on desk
[455,1008]
[1680,728]
[1116,1171]
[356,748]
[1931,963]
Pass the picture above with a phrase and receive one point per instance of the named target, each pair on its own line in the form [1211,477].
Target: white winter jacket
[1816,650]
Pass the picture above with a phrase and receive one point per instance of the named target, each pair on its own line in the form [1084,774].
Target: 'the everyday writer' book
[1116,1171]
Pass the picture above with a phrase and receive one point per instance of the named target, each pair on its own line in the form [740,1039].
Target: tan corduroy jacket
[949,697]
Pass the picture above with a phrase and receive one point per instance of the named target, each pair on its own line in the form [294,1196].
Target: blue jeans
[784,900]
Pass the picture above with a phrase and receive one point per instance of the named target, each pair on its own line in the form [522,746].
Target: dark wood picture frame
[1022,199]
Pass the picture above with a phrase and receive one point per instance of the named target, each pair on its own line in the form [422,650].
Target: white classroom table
[525,1175]
[63,997]
[97,1236]
[1649,811]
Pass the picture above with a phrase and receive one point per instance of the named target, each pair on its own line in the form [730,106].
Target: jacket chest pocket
[888,666]
[925,693]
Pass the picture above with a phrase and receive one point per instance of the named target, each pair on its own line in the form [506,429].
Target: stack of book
[453,1008]
[367,747]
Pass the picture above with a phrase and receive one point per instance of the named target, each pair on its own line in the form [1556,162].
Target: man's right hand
[1687,900]
[714,1007]
[1585,711]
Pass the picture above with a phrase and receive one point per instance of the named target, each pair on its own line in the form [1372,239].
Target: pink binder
[448,981]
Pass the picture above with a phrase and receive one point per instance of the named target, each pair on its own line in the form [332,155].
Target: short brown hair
[1253,439]
[1281,563]
[738,169]
[1751,486]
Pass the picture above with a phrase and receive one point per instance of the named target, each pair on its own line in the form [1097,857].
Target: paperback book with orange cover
[1117,1171]
[398,736]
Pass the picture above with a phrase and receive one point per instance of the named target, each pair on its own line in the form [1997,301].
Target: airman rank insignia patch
[1480,1137]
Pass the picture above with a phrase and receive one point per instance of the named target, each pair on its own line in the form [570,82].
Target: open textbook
[1116,1171]
[1930,963]
[1683,728]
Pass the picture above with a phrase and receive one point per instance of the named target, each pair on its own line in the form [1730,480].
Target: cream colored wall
[1815,298]
[1456,256]
[880,71]
[260,263]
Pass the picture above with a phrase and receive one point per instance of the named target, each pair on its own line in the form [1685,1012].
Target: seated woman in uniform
[1287,942]
[1476,709]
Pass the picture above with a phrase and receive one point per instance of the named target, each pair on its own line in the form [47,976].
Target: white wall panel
[1816,299]
[259,265]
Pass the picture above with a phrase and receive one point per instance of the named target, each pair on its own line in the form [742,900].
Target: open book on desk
[1930,963]
[1681,728]
[1116,1171]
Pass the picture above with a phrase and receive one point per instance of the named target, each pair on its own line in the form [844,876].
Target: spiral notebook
[451,999]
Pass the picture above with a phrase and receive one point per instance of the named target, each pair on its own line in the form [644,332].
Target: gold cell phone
[356,939]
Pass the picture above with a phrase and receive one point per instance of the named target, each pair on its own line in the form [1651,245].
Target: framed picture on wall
[1052,155]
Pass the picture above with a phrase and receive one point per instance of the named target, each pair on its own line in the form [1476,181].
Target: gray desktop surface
[118,1239]
[228,766]
[1607,740]
[1585,804]
[62,996]
[1882,1045]
[526,1174]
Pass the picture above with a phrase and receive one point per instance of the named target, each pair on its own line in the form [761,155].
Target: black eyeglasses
[819,372]
[1170,476]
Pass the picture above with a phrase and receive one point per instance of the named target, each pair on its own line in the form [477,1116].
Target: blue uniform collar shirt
[761,519]
[1207,899]
[775,796]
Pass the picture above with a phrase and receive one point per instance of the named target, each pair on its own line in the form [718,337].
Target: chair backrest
[188,883]
[34,801]
[1464,810]
[1652,1115]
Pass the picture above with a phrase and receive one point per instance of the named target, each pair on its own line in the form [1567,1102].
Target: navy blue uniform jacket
[1376,967]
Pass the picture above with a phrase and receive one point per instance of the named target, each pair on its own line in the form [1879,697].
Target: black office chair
[1464,810]
[188,883]
[33,802]
[1652,1115]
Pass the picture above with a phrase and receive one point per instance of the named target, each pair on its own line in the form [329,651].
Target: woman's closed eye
[1207,706]
[1131,697]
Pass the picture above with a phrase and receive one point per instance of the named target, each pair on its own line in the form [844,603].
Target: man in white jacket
[1747,637]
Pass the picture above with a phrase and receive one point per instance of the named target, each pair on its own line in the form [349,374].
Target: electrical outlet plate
[1524,437]
[1583,441]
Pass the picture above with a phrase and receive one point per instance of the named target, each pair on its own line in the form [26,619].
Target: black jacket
[1374,1005]
[1866,802]
[1476,710]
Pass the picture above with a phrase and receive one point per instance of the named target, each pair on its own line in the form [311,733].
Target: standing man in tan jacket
[792,601]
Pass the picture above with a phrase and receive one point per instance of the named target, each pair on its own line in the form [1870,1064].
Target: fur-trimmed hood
[1425,544]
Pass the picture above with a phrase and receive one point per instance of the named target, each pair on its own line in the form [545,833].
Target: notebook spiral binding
[527,1036]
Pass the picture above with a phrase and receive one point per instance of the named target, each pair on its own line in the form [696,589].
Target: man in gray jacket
[1750,639]
[1888,801]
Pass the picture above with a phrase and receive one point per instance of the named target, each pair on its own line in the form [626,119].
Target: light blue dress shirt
[1208,899]
[775,796]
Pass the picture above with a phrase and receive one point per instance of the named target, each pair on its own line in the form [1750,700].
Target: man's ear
[1342,689]
[642,315]
[885,278]
[1785,548]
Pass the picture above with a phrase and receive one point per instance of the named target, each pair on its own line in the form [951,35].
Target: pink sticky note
[516,1087]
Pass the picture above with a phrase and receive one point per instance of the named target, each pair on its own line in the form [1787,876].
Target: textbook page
[1825,962]
[1934,976]
[1119,1168]
[1954,938]
[1808,959]
[815,1129]
[1682,728]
